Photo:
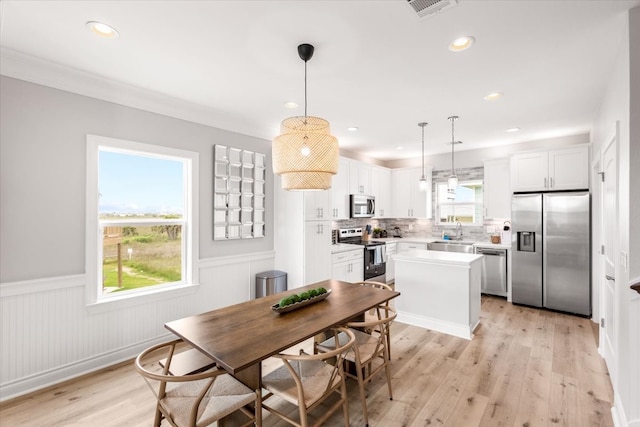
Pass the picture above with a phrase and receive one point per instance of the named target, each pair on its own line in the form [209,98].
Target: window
[466,208]
[141,232]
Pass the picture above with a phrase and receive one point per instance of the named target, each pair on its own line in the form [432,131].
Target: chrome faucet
[458,231]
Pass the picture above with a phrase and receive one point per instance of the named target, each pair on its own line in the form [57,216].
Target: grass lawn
[153,261]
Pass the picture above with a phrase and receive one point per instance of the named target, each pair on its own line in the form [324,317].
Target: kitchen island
[440,290]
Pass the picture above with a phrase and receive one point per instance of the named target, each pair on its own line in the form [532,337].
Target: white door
[608,331]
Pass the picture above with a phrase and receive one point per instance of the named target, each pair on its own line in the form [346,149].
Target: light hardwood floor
[524,367]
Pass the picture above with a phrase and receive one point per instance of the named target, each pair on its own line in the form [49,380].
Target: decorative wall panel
[48,334]
[238,199]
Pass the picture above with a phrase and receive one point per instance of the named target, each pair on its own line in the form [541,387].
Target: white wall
[47,333]
[622,102]
[473,158]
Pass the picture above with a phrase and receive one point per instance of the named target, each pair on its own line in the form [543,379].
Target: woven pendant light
[305,154]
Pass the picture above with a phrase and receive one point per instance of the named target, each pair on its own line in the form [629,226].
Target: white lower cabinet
[391,249]
[317,251]
[409,246]
[348,266]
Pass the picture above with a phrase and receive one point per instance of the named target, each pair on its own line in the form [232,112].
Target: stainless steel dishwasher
[494,271]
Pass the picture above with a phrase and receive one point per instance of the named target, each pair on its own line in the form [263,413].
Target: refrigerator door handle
[613,279]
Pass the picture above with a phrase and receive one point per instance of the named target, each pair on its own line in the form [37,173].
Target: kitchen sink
[451,246]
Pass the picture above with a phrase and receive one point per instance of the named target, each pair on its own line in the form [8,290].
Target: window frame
[94,226]
[477,206]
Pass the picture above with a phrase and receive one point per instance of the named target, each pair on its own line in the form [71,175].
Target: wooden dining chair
[374,284]
[373,312]
[370,353]
[194,400]
[306,380]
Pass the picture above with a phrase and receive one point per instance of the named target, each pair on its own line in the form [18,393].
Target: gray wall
[43,174]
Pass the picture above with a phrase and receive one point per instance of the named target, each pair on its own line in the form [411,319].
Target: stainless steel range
[375,255]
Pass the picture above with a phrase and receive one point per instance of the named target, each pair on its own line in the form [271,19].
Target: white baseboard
[437,325]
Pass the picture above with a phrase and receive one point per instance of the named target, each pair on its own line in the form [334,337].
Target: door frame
[597,268]
[610,359]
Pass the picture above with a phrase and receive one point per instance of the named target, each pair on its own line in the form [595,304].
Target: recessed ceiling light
[399,148]
[461,43]
[513,130]
[493,96]
[352,128]
[290,104]
[102,30]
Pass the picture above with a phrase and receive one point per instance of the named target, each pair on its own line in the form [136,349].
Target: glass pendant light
[452,182]
[424,183]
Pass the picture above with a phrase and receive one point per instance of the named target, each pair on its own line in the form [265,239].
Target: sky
[134,184]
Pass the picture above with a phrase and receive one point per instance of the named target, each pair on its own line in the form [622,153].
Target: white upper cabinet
[530,171]
[407,199]
[317,205]
[340,191]
[563,169]
[569,169]
[355,177]
[497,189]
[359,177]
[381,190]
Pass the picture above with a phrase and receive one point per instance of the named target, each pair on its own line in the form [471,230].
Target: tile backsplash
[427,228]
[411,227]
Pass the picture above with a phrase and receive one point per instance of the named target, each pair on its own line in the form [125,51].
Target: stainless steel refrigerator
[551,256]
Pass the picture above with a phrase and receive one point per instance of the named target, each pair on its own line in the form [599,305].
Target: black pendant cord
[305,88]
[305,51]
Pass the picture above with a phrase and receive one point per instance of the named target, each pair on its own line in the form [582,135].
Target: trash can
[270,282]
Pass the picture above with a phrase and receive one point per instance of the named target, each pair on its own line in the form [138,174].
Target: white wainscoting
[48,334]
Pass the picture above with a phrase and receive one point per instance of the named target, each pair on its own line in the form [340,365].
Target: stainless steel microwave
[362,206]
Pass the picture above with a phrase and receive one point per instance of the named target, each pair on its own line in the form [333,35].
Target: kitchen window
[141,232]
[466,208]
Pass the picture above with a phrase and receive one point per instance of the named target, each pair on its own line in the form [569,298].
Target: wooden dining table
[239,337]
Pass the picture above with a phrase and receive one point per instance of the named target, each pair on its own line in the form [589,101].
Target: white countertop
[388,239]
[437,257]
[344,247]
[492,245]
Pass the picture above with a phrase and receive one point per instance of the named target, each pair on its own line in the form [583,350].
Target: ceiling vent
[426,8]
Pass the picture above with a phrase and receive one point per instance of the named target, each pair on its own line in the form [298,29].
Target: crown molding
[29,68]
